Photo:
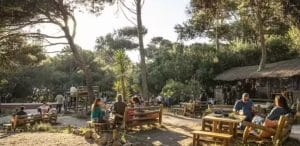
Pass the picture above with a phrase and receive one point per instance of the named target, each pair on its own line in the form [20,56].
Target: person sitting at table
[52,110]
[44,108]
[244,106]
[271,120]
[136,102]
[119,108]
[21,112]
[97,112]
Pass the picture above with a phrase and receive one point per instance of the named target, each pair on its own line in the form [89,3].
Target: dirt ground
[44,139]
[176,131]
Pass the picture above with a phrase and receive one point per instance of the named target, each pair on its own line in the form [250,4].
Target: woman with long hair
[271,121]
[97,114]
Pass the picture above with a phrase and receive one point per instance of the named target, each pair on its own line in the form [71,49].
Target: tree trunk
[142,50]
[123,87]
[82,64]
[261,34]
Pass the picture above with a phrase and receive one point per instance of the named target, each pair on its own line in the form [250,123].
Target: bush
[43,127]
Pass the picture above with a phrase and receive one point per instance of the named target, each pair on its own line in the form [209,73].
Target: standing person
[245,106]
[73,95]
[66,103]
[59,100]
[97,112]
[119,108]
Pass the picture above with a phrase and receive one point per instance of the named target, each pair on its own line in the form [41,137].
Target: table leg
[231,128]
[203,124]
[234,129]
[215,126]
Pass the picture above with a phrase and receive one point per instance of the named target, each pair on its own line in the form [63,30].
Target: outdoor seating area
[149,72]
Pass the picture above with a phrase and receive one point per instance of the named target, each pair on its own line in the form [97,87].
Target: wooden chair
[280,133]
[195,108]
[224,138]
[142,116]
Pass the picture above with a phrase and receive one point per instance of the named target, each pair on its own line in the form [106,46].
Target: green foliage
[294,35]
[121,68]
[42,127]
[173,89]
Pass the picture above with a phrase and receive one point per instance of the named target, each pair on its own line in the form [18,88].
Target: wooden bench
[195,108]
[25,121]
[22,122]
[142,116]
[225,138]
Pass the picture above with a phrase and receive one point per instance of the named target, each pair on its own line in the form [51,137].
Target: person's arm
[237,107]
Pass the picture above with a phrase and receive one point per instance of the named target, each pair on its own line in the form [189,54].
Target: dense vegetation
[240,32]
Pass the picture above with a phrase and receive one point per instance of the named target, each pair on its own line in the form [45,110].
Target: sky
[159,17]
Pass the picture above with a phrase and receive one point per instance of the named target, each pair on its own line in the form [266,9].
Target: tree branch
[129,9]
[54,44]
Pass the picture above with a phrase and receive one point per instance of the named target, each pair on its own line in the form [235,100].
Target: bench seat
[226,138]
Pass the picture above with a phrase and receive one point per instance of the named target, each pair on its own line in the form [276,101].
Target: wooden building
[274,79]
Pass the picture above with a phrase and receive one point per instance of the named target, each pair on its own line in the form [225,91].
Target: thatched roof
[282,69]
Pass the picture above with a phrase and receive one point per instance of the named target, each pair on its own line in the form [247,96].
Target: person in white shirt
[73,91]
[59,100]
[44,108]
[159,99]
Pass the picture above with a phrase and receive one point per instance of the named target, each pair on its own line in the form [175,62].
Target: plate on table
[217,115]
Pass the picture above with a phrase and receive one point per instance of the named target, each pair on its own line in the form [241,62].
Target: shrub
[43,127]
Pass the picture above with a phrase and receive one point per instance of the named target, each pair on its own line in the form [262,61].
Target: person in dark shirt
[245,107]
[119,108]
[21,112]
[281,108]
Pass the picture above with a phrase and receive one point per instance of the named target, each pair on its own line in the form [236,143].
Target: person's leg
[59,108]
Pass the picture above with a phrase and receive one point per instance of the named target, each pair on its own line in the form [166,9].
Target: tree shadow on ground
[157,136]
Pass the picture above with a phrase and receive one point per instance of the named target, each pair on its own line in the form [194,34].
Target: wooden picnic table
[218,121]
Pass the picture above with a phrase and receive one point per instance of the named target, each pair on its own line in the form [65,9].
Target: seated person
[39,111]
[136,102]
[119,108]
[21,112]
[52,110]
[44,108]
[244,106]
[97,112]
[281,108]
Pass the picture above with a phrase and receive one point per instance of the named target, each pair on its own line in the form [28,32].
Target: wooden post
[160,113]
